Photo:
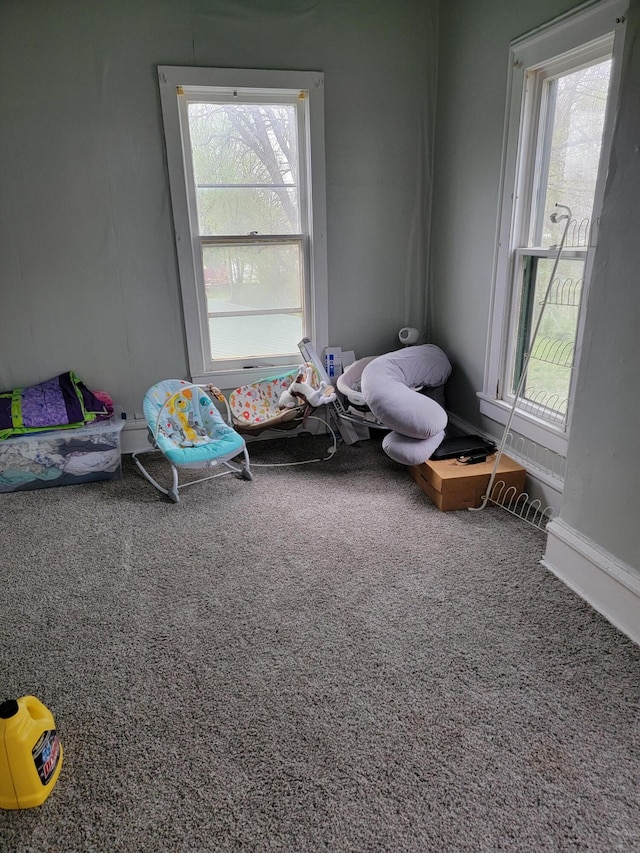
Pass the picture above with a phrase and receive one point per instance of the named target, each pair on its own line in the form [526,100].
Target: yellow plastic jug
[30,753]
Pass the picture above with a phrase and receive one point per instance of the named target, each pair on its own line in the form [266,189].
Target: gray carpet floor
[318,660]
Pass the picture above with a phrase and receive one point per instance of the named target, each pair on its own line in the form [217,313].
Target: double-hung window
[563,84]
[245,153]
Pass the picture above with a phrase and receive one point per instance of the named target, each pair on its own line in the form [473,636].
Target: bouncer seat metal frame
[191,433]
[352,427]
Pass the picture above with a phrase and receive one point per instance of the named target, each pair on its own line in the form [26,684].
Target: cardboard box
[453,485]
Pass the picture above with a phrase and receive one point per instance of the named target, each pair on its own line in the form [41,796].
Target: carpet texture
[318,660]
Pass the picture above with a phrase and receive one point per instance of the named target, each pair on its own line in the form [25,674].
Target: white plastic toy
[301,387]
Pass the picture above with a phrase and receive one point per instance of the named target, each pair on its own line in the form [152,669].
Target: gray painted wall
[600,491]
[88,277]
[472,90]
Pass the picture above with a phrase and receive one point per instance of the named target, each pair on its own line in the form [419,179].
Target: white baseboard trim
[610,586]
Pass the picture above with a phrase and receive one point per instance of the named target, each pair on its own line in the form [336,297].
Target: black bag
[470,448]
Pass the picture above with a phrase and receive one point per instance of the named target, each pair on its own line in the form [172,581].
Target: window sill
[532,428]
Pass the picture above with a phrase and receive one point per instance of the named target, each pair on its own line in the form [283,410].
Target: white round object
[408,336]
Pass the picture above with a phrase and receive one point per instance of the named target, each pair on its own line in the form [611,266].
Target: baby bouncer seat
[185,425]
[279,402]
[255,407]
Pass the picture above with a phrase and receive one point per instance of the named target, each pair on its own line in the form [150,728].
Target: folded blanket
[59,403]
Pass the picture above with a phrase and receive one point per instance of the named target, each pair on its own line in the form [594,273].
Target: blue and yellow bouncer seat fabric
[186,427]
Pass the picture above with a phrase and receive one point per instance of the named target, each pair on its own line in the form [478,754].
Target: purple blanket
[58,403]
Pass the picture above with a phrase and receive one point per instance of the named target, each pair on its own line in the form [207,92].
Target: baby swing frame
[352,428]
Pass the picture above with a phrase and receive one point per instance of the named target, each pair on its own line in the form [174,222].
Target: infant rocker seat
[187,428]
[279,402]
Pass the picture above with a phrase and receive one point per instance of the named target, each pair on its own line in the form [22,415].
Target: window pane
[264,336]
[246,278]
[548,381]
[237,211]
[245,161]
[576,110]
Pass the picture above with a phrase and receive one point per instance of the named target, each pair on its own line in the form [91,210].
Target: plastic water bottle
[30,753]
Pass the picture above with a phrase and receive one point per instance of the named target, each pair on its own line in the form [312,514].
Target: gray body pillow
[417,422]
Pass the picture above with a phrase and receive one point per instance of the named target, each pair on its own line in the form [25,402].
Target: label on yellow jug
[31,753]
[46,753]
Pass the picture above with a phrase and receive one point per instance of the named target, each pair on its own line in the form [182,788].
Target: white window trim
[311,82]
[579,27]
